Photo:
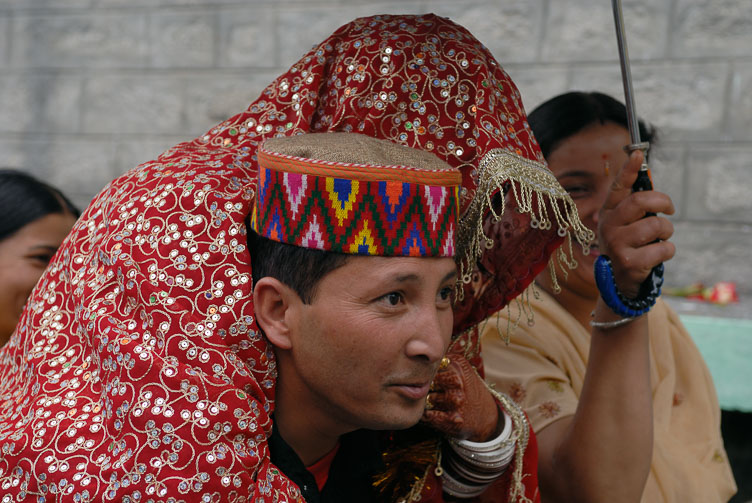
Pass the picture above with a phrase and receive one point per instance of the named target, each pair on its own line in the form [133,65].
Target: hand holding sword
[622,303]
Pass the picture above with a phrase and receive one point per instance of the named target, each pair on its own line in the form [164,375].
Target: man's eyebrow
[414,277]
[406,277]
[451,275]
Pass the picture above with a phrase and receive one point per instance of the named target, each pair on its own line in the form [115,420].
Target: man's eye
[393,298]
[446,293]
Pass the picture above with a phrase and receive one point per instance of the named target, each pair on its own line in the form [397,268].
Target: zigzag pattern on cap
[356,208]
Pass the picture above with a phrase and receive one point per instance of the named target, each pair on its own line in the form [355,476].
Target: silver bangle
[491,445]
[605,325]
[475,465]
[457,489]
[492,460]
[495,453]
[472,473]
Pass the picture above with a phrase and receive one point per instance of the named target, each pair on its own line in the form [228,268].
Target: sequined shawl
[137,372]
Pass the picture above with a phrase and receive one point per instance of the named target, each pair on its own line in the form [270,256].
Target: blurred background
[91,88]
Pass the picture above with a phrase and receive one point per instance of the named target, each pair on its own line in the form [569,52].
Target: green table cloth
[726,345]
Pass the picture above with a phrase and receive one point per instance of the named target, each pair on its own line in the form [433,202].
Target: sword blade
[626,73]
[652,284]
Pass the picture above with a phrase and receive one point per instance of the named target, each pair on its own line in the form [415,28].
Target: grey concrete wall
[90,88]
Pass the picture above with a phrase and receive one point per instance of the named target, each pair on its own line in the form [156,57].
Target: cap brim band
[363,172]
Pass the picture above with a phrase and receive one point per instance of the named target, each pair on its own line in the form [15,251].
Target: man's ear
[274,303]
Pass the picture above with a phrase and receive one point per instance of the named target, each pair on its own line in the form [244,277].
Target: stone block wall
[91,88]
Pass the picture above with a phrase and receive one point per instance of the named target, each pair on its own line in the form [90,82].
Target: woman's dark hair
[24,199]
[567,114]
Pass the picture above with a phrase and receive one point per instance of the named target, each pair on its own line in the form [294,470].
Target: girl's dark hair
[567,114]
[24,199]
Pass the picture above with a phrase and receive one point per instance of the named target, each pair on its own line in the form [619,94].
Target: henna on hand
[461,406]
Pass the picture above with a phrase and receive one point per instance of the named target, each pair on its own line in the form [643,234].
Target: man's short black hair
[299,268]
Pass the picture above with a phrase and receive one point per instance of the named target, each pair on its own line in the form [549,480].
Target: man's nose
[431,335]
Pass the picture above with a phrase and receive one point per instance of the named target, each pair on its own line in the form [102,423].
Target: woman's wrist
[467,467]
[494,425]
[604,313]
[649,289]
[604,319]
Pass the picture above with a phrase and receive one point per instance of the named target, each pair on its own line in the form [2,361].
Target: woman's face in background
[585,165]
[23,257]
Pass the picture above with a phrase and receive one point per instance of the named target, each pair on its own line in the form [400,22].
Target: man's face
[368,346]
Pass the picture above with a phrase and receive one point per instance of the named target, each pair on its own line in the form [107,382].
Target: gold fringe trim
[522,308]
[521,435]
[533,185]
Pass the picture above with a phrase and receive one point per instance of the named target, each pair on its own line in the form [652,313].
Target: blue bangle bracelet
[650,289]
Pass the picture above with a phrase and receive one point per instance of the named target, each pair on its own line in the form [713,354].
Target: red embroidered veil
[137,372]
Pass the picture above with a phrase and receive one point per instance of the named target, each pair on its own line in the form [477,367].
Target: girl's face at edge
[24,255]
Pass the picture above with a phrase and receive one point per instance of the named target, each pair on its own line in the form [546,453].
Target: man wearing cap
[352,244]
[140,370]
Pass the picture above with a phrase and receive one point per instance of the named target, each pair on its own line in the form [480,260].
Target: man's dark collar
[350,475]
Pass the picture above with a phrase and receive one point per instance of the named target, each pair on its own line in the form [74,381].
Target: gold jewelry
[445,361]
[429,405]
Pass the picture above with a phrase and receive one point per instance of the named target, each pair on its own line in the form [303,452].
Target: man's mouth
[413,390]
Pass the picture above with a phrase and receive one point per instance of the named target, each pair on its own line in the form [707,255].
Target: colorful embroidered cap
[354,194]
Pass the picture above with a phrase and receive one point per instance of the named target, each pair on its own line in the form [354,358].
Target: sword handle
[651,287]
[643,182]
